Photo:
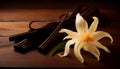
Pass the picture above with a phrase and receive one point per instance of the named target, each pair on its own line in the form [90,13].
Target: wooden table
[15,19]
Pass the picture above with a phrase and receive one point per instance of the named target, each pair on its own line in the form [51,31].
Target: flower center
[87,38]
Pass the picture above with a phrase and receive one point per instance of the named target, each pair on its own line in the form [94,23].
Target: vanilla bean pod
[30,40]
[30,43]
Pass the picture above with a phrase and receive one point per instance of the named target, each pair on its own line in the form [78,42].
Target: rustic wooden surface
[14,18]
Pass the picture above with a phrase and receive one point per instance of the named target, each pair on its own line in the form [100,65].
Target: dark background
[9,9]
[55,4]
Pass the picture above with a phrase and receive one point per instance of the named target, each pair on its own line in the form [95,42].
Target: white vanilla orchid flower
[84,38]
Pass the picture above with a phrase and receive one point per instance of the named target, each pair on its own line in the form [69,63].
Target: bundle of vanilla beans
[43,39]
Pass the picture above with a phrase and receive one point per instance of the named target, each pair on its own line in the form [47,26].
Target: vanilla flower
[84,38]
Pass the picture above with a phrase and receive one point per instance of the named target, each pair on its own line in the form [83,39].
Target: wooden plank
[11,58]
[10,28]
[23,15]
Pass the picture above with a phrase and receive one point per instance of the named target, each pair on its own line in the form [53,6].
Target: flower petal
[77,49]
[92,49]
[99,45]
[67,37]
[94,25]
[69,32]
[81,24]
[67,48]
[100,34]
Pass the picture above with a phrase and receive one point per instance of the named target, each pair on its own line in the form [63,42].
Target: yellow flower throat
[87,38]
